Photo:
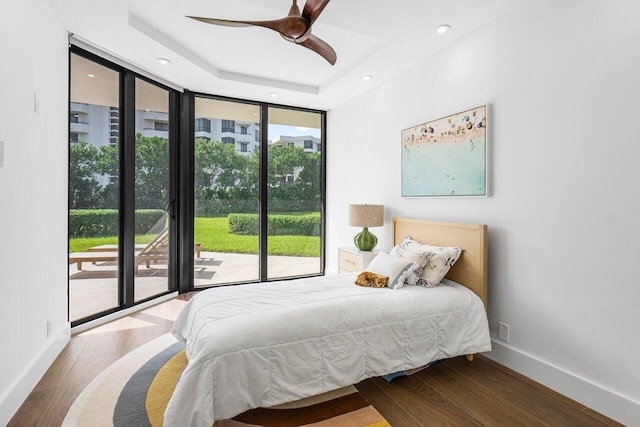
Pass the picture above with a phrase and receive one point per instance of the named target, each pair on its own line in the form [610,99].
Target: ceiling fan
[295,27]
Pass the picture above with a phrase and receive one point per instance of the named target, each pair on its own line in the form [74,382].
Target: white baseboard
[594,396]
[17,393]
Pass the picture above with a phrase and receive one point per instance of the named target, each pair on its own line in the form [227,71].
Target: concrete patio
[95,287]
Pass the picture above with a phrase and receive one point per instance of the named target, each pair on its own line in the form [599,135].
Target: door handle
[170,209]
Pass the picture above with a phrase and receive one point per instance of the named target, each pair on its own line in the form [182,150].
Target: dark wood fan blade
[223,22]
[312,9]
[321,47]
[276,25]
[289,26]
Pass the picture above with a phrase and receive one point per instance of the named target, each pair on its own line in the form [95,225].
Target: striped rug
[135,390]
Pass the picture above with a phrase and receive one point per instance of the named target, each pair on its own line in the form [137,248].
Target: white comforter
[265,344]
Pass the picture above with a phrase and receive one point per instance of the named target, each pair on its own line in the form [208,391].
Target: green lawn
[214,234]
[81,244]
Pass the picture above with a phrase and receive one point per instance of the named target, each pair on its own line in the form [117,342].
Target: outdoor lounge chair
[197,248]
[154,251]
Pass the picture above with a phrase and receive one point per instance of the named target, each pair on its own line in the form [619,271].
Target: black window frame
[187,198]
[125,114]
[181,170]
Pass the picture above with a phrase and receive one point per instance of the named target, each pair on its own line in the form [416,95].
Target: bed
[264,344]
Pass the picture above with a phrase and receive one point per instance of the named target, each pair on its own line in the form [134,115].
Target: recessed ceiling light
[163,61]
[273,94]
[367,77]
[91,75]
[441,29]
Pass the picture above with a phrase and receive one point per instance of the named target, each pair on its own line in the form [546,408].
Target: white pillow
[419,258]
[440,260]
[393,267]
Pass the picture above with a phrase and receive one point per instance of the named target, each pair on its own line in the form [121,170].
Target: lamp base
[365,240]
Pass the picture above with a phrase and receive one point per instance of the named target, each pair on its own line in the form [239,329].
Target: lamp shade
[366,215]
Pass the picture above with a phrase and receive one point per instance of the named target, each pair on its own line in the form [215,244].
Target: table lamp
[366,216]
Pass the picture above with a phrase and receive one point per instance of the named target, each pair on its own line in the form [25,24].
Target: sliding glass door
[152,198]
[252,179]
[121,188]
[226,192]
[94,188]
[294,196]
[258,192]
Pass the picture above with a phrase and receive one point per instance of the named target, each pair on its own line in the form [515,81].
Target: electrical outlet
[36,102]
[48,328]
[503,331]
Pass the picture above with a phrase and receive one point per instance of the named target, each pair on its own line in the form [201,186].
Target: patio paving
[95,287]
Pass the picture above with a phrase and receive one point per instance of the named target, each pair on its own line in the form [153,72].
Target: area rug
[135,390]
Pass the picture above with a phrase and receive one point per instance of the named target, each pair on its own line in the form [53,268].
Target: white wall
[33,196]
[562,80]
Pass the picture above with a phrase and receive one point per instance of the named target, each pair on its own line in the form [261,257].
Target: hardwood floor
[452,392]
[478,393]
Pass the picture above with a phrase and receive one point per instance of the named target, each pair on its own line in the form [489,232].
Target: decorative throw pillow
[420,259]
[393,267]
[441,259]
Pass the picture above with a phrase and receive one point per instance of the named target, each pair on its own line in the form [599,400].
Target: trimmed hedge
[277,225]
[104,222]
[212,207]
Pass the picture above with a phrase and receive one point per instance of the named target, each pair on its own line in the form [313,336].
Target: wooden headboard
[471,268]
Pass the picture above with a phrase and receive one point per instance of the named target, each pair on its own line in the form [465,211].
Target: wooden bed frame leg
[469,357]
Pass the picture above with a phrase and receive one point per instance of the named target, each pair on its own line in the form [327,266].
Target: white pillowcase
[440,260]
[418,257]
[393,267]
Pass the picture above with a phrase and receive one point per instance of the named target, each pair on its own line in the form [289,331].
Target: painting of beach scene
[447,156]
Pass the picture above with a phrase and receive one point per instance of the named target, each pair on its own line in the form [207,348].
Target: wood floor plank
[43,394]
[530,381]
[391,410]
[485,406]
[95,357]
[426,405]
[606,420]
[550,407]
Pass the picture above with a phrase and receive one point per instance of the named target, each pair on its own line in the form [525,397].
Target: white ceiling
[370,37]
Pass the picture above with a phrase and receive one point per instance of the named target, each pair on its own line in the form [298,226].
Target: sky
[276,130]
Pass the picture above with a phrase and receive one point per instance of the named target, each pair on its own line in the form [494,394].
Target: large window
[151,195]
[94,190]
[120,188]
[226,194]
[258,210]
[250,207]
[294,193]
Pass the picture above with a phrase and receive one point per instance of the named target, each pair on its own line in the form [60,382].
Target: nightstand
[351,260]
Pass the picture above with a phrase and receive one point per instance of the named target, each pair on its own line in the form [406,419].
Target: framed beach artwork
[447,157]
